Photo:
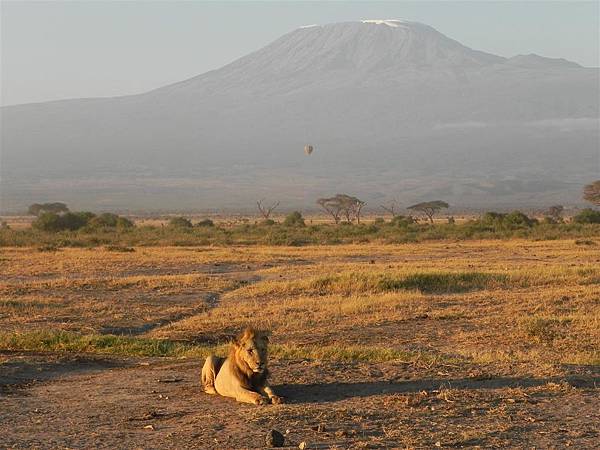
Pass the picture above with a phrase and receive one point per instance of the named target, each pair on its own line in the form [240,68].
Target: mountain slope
[393,108]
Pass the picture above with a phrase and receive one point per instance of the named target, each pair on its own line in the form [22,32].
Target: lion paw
[260,401]
[277,400]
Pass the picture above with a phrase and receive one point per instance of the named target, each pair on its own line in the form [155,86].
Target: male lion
[243,374]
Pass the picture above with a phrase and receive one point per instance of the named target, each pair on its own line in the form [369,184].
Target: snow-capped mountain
[393,108]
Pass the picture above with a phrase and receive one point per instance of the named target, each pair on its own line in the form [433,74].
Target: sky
[55,50]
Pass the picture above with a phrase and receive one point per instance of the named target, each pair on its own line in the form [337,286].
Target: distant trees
[266,210]
[342,205]
[429,208]
[392,207]
[294,219]
[73,221]
[52,222]
[587,215]
[180,222]
[57,207]
[555,212]
[591,193]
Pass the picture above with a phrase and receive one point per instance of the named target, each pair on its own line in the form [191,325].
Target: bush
[104,220]
[379,221]
[268,222]
[518,219]
[52,222]
[205,223]
[123,223]
[587,215]
[180,222]
[294,219]
[48,221]
[402,221]
[74,221]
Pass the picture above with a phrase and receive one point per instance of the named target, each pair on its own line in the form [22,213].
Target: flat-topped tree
[429,208]
[591,193]
[38,208]
[342,205]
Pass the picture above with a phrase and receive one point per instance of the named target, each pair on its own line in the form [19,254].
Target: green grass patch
[444,282]
[67,342]
[352,283]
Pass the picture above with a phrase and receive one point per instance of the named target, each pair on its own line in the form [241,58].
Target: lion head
[250,353]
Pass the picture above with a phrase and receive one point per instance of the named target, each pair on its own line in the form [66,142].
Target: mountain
[393,108]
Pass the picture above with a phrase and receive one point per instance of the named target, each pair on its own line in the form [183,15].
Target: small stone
[274,439]
[302,445]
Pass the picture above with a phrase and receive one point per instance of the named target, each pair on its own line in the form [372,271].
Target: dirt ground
[91,402]
[489,379]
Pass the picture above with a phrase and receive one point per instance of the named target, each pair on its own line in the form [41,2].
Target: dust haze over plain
[393,108]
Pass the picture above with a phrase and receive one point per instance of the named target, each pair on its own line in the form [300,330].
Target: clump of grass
[443,282]
[48,248]
[119,248]
[545,330]
[351,283]
[585,242]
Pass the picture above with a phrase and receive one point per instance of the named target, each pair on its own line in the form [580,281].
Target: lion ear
[243,336]
[266,334]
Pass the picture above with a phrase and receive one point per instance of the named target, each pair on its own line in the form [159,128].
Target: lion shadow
[332,392]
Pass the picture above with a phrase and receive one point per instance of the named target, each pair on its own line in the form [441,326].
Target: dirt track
[91,402]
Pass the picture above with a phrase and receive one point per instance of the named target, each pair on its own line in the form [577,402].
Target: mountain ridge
[402,96]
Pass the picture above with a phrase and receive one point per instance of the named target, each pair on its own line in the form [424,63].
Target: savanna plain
[474,343]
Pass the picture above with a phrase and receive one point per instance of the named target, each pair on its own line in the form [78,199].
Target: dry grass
[520,305]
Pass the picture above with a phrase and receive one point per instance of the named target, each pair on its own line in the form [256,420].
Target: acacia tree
[332,206]
[429,208]
[266,210]
[57,208]
[591,193]
[555,212]
[392,207]
[342,205]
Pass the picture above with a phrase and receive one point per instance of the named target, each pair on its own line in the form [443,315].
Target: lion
[243,374]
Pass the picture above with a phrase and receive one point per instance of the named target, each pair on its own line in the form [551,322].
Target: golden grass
[488,302]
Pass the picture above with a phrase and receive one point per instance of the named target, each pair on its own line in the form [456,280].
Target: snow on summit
[394,23]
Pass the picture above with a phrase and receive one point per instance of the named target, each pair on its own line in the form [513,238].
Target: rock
[274,439]
[302,445]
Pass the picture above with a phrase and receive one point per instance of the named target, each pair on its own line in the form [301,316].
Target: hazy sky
[53,50]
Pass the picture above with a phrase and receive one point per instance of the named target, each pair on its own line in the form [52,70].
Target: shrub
[52,222]
[4,225]
[47,221]
[587,215]
[379,221]
[492,218]
[123,223]
[294,219]
[180,222]
[267,222]
[104,220]
[402,221]
[205,223]
[518,219]
[74,221]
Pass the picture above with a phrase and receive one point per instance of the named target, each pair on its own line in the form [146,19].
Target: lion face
[251,348]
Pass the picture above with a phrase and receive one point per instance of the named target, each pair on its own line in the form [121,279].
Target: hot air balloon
[308,149]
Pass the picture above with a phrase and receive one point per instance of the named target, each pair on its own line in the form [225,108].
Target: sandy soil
[92,402]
